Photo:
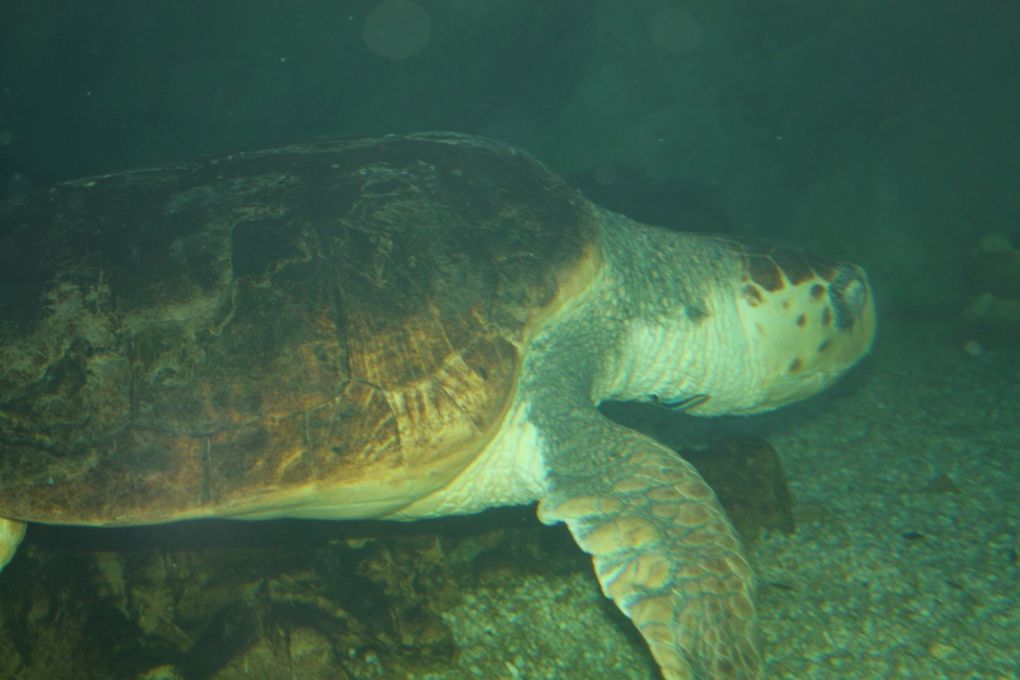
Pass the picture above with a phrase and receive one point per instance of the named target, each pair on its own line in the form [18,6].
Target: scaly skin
[666,555]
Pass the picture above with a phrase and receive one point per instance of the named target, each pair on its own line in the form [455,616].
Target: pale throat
[670,359]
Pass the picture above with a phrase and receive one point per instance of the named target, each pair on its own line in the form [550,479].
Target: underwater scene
[520,339]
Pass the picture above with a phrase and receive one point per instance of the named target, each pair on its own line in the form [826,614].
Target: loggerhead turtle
[402,327]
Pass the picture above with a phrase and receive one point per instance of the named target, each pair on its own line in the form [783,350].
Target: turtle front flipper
[664,552]
[11,533]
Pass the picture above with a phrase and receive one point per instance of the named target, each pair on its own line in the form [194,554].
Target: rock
[992,316]
[748,478]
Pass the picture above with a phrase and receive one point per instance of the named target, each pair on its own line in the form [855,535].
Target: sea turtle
[402,327]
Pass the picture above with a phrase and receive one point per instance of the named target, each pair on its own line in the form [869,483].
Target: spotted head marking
[808,319]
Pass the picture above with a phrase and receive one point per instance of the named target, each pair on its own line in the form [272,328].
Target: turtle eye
[849,295]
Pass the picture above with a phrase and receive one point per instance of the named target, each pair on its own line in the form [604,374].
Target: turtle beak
[853,309]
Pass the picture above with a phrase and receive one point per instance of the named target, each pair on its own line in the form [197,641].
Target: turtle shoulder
[252,333]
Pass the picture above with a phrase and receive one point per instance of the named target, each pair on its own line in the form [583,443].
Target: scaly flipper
[665,553]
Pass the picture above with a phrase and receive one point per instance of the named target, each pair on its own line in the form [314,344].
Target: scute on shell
[207,336]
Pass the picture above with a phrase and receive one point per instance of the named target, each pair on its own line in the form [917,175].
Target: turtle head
[806,320]
[735,325]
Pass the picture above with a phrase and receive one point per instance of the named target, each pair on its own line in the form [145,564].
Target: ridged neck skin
[673,331]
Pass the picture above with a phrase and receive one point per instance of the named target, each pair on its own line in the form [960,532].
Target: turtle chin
[804,377]
[788,391]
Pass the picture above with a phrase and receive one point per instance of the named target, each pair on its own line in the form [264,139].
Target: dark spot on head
[793,264]
[827,316]
[801,320]
[795,365]
[753,295]
[696,312]
[824,345]
[824,269]
[765,273]
[817,291]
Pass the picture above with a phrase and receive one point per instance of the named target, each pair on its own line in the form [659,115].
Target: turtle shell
[324,330]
